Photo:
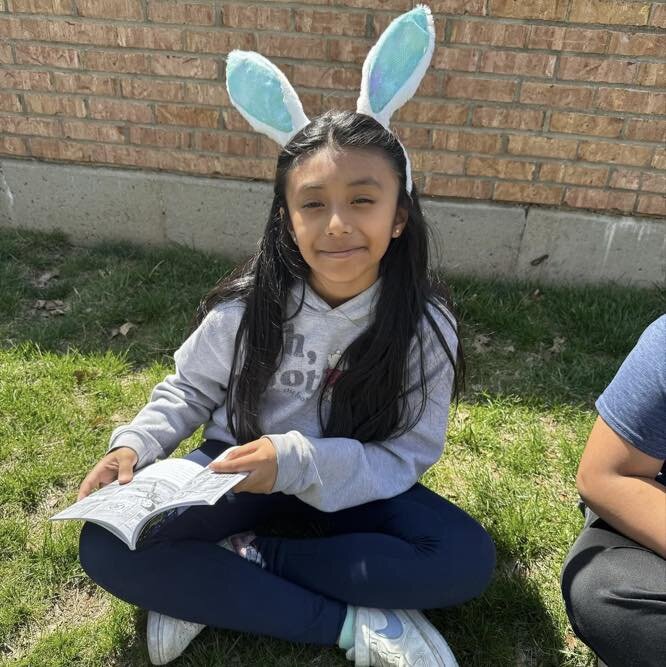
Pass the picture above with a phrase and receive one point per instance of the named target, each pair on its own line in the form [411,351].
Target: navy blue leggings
[413,551]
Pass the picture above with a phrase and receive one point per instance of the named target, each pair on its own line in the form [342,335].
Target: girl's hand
[259,458]
[117,464]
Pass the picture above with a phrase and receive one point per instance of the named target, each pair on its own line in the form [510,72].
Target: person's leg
[414,551]
[615,595]
[183,573]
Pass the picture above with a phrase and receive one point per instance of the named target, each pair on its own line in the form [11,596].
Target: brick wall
[558,102]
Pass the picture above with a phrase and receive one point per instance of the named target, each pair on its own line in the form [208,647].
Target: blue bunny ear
[393,69]
[264,96]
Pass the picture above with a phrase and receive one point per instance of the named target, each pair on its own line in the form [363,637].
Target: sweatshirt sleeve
[186,399]
[335,473]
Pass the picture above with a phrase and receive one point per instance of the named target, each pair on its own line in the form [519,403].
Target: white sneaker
[168,637]
[398,638]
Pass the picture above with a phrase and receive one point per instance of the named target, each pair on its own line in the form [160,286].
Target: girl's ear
[400,221]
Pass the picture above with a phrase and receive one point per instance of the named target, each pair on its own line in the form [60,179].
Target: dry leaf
[480,344]
[123,330]
[558,345]
[43,278]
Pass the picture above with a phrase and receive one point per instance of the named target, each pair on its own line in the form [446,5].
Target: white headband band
[392,72]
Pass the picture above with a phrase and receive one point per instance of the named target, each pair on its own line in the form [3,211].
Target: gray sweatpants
[615,595]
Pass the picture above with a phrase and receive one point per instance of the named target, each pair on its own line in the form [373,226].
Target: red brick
[66,82]
[571,173]
[652,205]
[558,38]
[437,113]
[547,10]
[149,37]
[314,76]
[579,123]
[652,74]
[522,144]
[470,7]
[500,168]
[444,163]
[519,119]
[625,179]
[329,23]
[128,10]
[267,148]
[489,32]
[382,21]
[466,60]
[219,41]
[242,167]
[470,188]
[33,54]
[55,105]
[164,137]
[414,137]
[654,183]
[524,192]
[131,112]
[555,95]
[189,67]
[150,89]
[466,142]
[501,90]
[658,16]
[509,62]
[116,61]
[348,50]
[226,142]
[659,160]
[57,149]
[605,200]
[45,127]
[597,69]
[637,44]
[614,153]
[42,6]
[6,54]
[171,114]
[24,80]
[394,5]
[329,100]
[13,146]
[206,93]
[9,102]
[627,99]
[286,46]
[646,130]
[71,31]
[72,129]
[607,11]
[179,12]
[256,17]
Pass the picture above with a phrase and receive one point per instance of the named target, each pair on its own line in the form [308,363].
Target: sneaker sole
[433,638]
[153,630]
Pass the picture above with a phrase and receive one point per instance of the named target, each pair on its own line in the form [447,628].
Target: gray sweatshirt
[330,473]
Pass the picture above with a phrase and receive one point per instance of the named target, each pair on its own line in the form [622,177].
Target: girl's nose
[337,225]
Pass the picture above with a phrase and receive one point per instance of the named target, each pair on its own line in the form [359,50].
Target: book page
[126,506]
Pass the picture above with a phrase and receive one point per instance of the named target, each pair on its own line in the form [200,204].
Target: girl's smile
[343,214]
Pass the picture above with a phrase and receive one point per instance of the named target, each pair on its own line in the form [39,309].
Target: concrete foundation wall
[487,240]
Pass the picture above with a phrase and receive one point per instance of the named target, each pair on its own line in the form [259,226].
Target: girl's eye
[363,200]
[312,204]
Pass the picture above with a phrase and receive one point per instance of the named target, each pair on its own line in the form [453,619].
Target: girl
[330,358]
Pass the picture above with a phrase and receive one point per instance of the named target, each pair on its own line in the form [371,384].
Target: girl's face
[343,211]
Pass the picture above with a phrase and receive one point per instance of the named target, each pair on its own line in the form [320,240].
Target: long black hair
[368,399]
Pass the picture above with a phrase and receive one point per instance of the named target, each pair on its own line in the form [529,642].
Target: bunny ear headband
[392,72]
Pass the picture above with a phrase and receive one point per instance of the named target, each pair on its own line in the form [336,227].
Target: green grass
[535,366]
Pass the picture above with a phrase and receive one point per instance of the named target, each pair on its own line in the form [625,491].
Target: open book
[133,511]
